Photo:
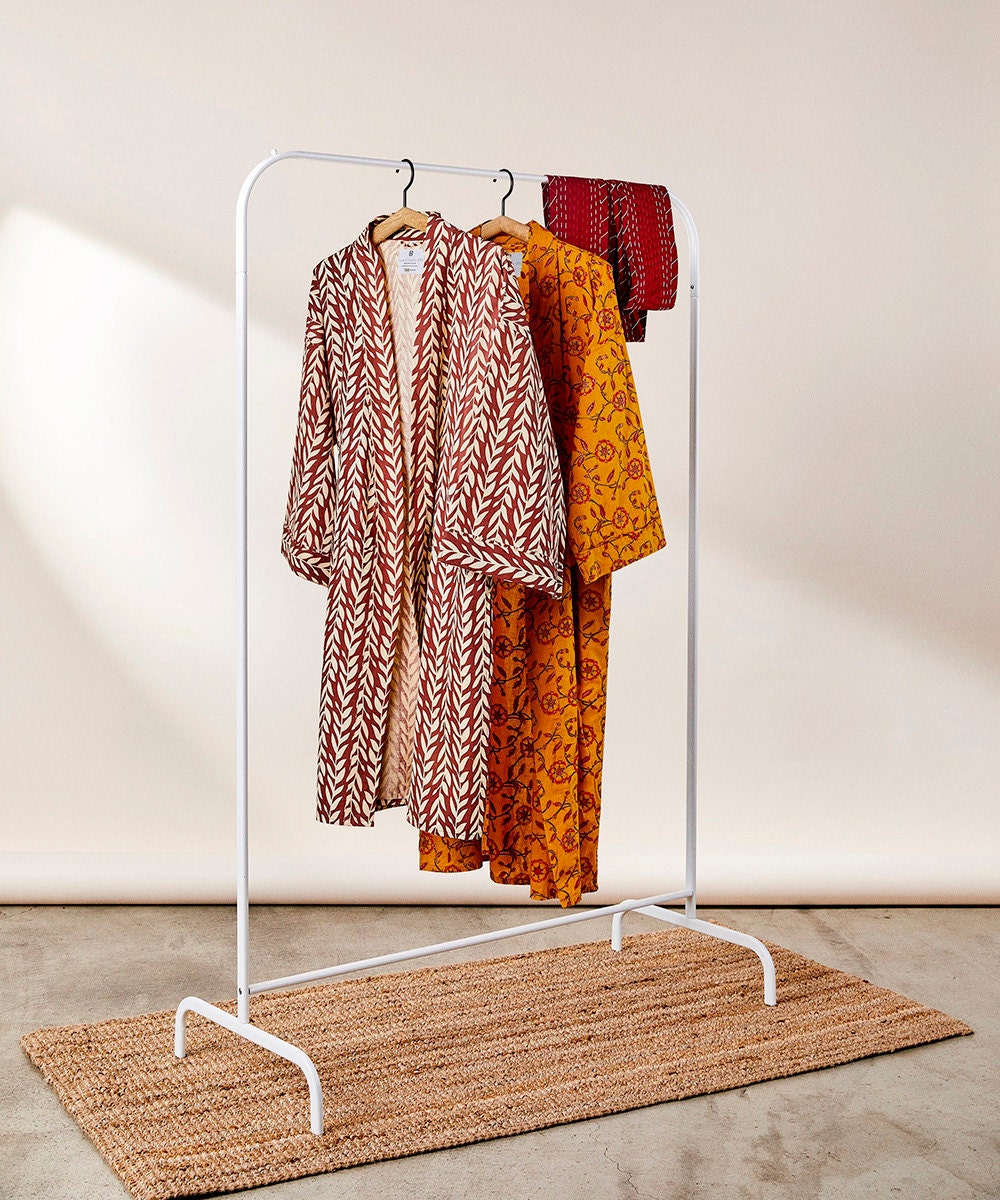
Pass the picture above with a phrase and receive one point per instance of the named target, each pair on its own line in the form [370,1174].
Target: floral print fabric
[550,653]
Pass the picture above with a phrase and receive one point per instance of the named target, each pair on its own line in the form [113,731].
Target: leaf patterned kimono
[550,653]
[424,469]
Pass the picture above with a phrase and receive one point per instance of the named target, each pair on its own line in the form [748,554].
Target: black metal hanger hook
[413,171]
[508,192]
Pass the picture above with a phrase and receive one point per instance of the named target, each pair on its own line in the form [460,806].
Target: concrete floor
[921,1124]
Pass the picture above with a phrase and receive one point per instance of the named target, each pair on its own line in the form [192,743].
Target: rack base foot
[259,1037]
[710,930]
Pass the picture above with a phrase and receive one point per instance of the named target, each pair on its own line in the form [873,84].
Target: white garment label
[516,258]
[410,260]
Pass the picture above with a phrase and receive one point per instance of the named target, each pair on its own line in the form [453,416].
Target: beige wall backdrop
[841,162]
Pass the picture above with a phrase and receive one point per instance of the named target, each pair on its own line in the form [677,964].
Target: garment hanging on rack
[550,654]
[420,378]
[629,224]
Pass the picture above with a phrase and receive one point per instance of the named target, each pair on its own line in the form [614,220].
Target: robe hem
[325,819]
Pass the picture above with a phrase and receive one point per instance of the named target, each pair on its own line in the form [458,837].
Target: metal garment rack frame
[651,906]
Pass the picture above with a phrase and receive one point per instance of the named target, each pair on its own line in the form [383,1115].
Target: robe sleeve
[308,525]
[614,518]
[508,519]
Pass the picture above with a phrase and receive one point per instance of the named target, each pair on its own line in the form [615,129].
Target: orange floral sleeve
[614,518]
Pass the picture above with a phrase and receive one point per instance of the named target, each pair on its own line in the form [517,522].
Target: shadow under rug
[448,1055]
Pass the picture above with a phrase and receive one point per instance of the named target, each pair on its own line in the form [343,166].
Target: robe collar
[433,236]
[541,239]
[436,238]
[375,300]
[388,481]
[540,245]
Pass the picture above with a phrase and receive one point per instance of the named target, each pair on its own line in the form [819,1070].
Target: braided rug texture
[448,1055]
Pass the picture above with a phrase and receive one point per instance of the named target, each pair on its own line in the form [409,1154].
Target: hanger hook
[508,192]
[413,172]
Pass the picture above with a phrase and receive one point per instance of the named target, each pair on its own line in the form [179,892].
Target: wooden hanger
[503,223]
[402,218]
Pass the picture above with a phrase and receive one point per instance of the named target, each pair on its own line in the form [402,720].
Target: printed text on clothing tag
[516,258]
[410,260]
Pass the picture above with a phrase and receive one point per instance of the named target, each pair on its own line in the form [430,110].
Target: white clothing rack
[650,905]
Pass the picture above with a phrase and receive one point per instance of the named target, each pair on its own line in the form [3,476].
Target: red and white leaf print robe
[424,468]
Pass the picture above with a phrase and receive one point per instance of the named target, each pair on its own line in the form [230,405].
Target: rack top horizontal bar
[396,163]
[434,168]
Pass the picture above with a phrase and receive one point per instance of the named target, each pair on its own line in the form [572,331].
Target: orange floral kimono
[550,654]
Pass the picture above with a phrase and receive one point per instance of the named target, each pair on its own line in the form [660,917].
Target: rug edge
[143,1186]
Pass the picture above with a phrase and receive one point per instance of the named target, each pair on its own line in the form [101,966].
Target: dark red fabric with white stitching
[630,225]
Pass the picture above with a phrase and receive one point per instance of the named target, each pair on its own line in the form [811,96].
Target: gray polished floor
[920,1124]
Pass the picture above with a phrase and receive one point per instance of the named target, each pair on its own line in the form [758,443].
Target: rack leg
[260,1038]
[716,931]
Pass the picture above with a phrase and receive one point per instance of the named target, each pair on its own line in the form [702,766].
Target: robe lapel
[364,601]
[383,374]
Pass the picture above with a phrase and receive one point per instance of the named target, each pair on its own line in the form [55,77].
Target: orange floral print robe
[550,654]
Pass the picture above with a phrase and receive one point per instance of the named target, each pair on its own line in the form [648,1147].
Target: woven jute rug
[455,1054]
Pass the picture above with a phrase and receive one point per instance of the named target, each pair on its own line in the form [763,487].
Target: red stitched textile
[631,225]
